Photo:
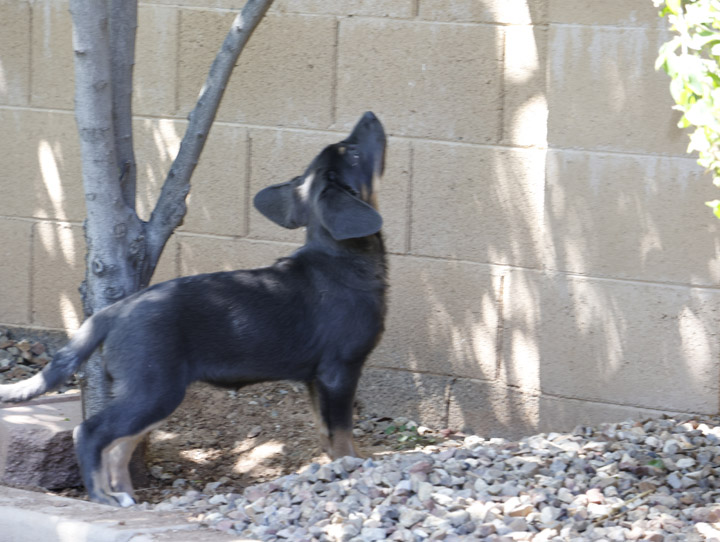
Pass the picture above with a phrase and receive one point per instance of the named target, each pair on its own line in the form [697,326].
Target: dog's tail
[65,363]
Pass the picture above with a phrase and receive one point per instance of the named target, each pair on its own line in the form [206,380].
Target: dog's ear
[345,216]
[281,204]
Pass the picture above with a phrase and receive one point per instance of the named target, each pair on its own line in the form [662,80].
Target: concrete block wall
[552,262]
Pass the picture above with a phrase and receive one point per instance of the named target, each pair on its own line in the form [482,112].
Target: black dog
[311,317]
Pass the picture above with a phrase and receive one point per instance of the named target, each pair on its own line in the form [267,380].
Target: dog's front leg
[332,400]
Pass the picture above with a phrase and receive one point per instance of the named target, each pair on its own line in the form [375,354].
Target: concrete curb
[27,516]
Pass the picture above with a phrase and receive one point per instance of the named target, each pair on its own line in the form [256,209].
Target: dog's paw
[123,499]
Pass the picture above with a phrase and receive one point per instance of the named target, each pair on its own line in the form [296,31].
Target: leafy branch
[692,59]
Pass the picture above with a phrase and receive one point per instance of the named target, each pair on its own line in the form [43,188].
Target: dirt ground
[248,436]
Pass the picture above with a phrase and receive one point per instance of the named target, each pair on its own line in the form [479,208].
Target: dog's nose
[369,116]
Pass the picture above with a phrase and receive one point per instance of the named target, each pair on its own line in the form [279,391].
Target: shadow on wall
[608,307]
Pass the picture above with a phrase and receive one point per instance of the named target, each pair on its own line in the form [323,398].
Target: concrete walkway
[27,516]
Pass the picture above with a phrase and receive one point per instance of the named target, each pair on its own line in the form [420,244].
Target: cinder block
[155,72]
[422,79]
[491,410]
[394,195]
[636,13]
[15,53]
[401,9]
[217,199]
[218,195]
[442,318]
[157,142]
[560,414]
[478,204]
[485,11]
[634,344]
[15,251]
[419,397]
[41,166]
[631,216]
[520,357]
[525,112]
[207,255]
[53,73]
[604,92]
[58,271]
[36,446]
[272,84]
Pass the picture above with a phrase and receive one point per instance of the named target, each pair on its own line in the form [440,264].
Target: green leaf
[701,114]
[675,6]
[390,429]
[695,83]
[715,206]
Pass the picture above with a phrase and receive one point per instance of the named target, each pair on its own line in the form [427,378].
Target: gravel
[653,480]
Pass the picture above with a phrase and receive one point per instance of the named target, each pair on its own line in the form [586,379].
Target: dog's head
[336,191]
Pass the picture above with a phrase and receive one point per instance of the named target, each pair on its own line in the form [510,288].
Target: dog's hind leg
[104,444]
[115,461]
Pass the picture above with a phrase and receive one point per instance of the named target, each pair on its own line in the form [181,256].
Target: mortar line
[415,9]
[448,400]
[198,235]
[39,220]
[501,112]
[178,263]
[176,93]
[30,54]
[31,277]
[334,74]
[499,338]
[409,201]
[248,174]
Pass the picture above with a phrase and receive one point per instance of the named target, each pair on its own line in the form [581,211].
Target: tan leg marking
[115,473]
[341,444]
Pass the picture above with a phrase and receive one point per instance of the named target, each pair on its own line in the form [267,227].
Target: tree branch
[170,209]
[123,27]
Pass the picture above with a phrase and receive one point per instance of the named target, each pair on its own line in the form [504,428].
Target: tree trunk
[122,250]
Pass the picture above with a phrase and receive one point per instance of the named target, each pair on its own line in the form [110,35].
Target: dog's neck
[318,238]
[364,267]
